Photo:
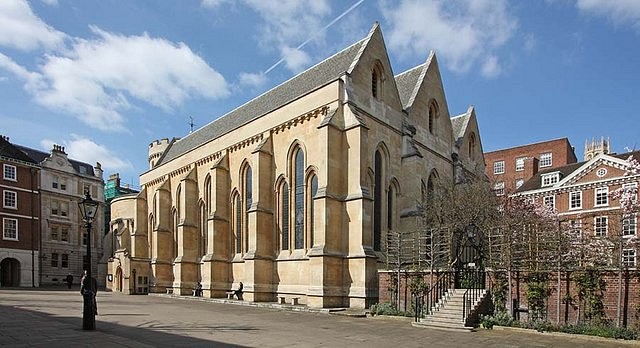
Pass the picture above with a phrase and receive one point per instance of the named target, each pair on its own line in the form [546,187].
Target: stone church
[294,192]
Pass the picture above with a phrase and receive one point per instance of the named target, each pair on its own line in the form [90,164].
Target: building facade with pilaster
[62,183]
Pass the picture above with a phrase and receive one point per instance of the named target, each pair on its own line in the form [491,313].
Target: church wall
[298,107]
[339,143]
[305,132]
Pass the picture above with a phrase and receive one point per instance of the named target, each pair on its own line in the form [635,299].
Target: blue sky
[105,78]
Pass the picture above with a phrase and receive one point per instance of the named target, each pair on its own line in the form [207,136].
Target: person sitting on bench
[238,293]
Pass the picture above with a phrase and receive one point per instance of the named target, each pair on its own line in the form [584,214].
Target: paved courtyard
[52,318]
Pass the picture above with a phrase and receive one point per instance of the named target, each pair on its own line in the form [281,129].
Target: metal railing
[474,282]
[426,304]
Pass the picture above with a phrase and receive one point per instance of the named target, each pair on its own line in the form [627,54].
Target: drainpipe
[33,260]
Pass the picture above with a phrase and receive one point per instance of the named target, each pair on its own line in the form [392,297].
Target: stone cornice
[323,110]
[258,138]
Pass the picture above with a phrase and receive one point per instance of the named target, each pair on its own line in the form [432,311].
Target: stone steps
[449,312]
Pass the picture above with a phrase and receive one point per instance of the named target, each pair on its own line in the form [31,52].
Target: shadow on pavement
[20,327]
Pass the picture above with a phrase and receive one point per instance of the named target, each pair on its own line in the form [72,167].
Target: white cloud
[295,60]
[290,22]
[32,80]
[50,2]
[86,150]
[620,12]
[491,67]
[287,25]
[95,79]
[213,3]
[20,28]
[252,80]
[465,33]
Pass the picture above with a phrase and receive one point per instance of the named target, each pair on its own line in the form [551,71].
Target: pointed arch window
[298,199]
[377,201]
[176,222]
[376,80]
[374,83]
[390,196]
[248,201]
[174,225]
[433,116]
[284,216]
[431,183]
[472,145]
[203,229]
[208,194]
[150,236]
[237,228]
[313,190]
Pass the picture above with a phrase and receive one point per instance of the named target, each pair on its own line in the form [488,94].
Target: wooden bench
[169,291]
[229,295]
[294,300]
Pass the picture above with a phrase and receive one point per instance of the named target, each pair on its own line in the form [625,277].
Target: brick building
[508,169]
[62,183]
[581,194]
[20,217]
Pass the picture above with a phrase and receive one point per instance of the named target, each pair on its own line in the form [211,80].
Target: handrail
[431,296]
[473,293]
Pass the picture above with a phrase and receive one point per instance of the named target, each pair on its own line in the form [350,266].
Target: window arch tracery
[433,116]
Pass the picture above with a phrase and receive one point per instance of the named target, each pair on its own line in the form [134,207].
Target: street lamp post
[88,208]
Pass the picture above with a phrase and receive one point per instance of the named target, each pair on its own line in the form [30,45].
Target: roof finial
[191,124]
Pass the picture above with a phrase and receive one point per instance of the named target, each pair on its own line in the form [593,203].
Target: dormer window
[550,179]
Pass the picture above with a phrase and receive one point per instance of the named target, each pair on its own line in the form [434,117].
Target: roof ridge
[529,144]
[316,76]
[365,40]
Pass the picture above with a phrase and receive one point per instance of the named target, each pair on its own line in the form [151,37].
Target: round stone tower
[156,149]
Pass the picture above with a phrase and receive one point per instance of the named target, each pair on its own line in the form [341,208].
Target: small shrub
[602,330]
[387,308]
[501,318]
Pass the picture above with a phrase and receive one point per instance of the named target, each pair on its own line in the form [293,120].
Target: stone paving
[53,318]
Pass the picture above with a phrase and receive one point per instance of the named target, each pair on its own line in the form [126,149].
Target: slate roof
[459,126]
[536,181]
[40,156]
[9,150]
[407,83]
[317,76]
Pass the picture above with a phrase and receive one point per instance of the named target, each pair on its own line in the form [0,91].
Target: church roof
[459,125]
[313,78]
[410,81]
[407,82]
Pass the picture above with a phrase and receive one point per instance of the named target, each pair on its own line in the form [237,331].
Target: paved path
[52,318]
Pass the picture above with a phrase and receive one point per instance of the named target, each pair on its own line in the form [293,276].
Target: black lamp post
[88,208]
[134,280]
